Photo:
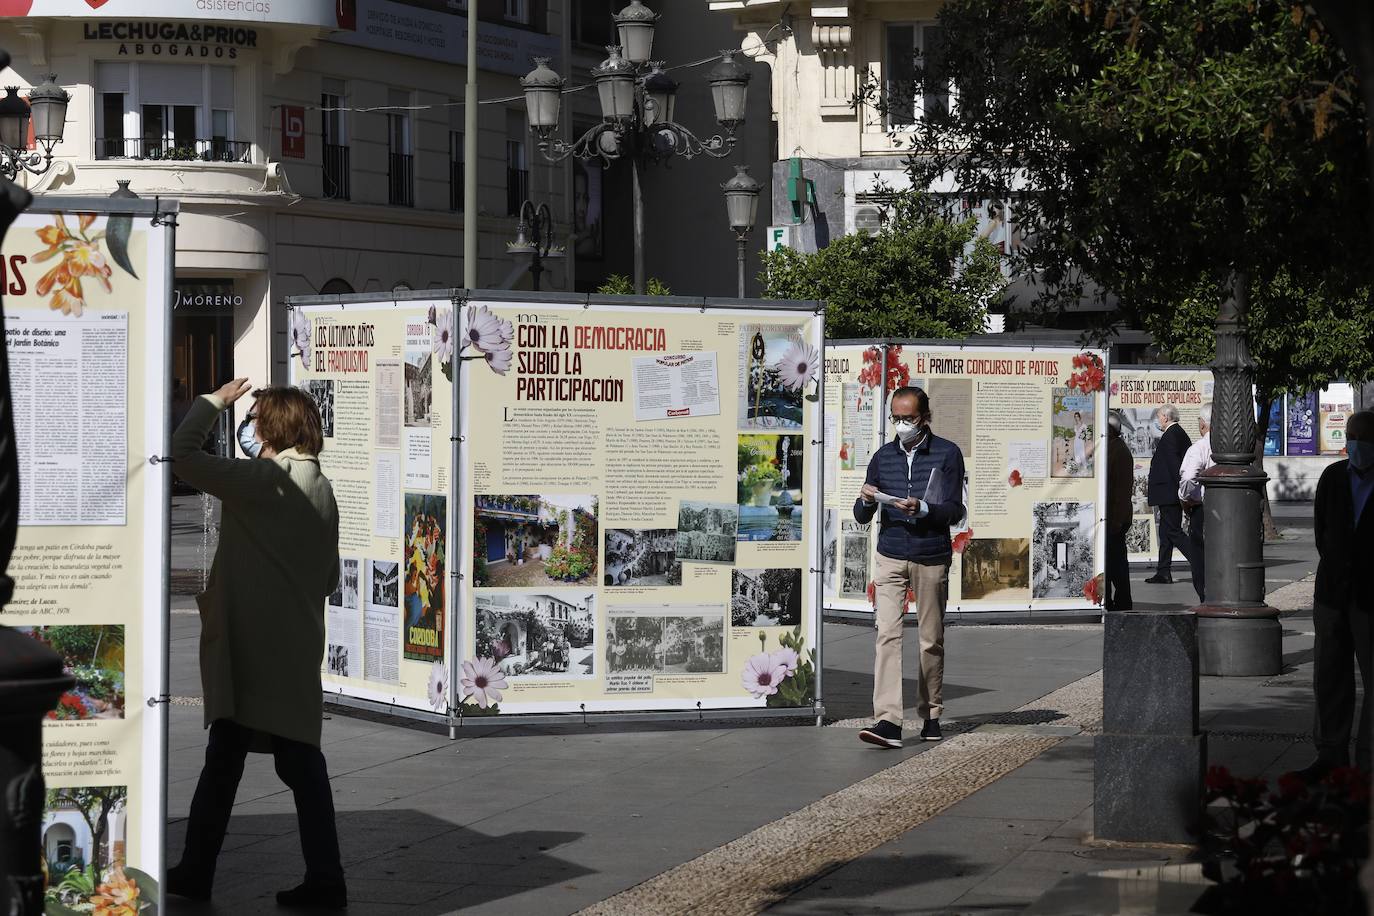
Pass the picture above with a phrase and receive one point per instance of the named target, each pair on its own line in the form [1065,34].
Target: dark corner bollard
[1239,634]
[1151,755]
[31,675]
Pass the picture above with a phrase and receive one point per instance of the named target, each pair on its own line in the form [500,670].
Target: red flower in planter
[1014,478]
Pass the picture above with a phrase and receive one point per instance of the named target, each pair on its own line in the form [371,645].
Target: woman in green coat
[262,630]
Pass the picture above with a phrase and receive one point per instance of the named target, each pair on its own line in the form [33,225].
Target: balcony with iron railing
[214,149]
[401,179]
[336,171]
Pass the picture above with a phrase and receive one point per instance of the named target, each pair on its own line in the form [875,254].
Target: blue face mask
[1361,454]
[248,439]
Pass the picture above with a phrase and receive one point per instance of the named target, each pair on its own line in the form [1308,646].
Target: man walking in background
[1120,481]
[919,480]
[1197,459]
[1343,600]
[1162,493]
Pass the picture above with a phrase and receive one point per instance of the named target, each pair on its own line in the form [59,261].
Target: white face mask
[248,440]
[907,432]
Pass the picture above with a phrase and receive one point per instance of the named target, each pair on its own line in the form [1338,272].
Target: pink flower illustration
[786,658]
[762,675]
[483,681]
[443,335]
[499,360]
[438,685]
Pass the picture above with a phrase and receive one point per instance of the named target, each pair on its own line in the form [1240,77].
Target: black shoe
[185,882]
[1314,772]
[931,730]
[1158,579]
[882,733]
[315,896]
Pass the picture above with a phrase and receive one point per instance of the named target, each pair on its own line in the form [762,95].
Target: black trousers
[1198,561]
[1118,571]
[1345,638]
[1170,536]
[300,766]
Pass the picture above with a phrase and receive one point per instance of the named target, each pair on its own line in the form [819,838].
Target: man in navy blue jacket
[918,480]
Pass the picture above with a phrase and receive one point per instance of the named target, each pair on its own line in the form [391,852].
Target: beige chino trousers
[891,580]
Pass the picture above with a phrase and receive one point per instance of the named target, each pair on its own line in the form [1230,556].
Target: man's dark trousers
[1170,536]
[1345,638]
[301,766]
[1118,570]
[1198,561]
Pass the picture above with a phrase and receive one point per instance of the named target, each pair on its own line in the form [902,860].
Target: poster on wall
[86,307]
[1030,426]
[1337,402]
[1301,426]
[1137,392]
[382,377]
[638,508]
[1273,430]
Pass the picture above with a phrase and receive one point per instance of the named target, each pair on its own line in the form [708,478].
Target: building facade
[316,146]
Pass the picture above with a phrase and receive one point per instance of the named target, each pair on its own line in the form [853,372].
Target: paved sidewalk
[708,819]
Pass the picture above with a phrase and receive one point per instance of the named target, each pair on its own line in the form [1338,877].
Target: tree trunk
[1265,401]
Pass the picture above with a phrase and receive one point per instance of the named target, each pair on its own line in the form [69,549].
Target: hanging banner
[1337,402]
[86,308]
[1302,424]
[1136,393]
[381,374]
[1029,423]
[639,502]
[1273,430]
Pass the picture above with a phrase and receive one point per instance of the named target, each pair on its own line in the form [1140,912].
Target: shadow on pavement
[394,861]
[837,886]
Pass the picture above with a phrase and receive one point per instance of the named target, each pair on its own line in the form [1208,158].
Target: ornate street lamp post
[637,110]
[534,237]
[46,109]
[31,675]
[742,206]
[1238,633]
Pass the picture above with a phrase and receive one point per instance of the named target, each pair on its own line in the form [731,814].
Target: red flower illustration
[961,540]
[1091,375]
[1092,590]
[1014,478]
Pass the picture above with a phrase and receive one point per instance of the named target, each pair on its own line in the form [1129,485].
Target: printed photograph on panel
[85,838]
[1061,549]
[854,575]
[778,368]
[346,595]
[642,557]
[1140,488]
[1138,535]
[425,575]
[94,656]
[830,538]
[765,597]
[321,391]
[538,634]
[1139,430]
[769,487]
[336,660]
[659,643]
[386,583]
[524,541]
[706,531]
[996,569]
[419,386]
[1072,433]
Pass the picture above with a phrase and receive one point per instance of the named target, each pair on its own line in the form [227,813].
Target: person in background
[1162,493]
[1120,481]
[1197,459]
[262,631]
[1343,601]
[924,475]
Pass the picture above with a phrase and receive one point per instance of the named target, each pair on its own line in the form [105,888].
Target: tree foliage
[94,804]
[920,275]
[1154,149]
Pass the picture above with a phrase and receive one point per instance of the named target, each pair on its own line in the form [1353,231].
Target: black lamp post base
[1250,646]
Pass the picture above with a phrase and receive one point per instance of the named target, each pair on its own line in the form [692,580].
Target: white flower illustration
[443,335]
[787,659]
[762,675]
[300,336]
[798,365]
[499,360]
[487,333]
[438,686]
[483,681]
